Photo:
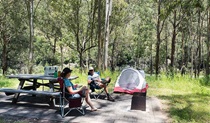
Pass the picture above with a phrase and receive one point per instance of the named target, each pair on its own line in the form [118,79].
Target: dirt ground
[109,112]
[18,119]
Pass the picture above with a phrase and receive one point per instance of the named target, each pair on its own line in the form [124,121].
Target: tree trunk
[197,50]
[182,48]
[61,48]
[88,57]
[151,59]
[94,8]
[81,59]
[192,59]
[77,35]
[157,55]
[4,54]
[108,5]
[208,47]
[112,56]
[166,46]
[30,63]
[158,42]
[190,49]
[173,44]
[199,41]
[99,36]
[54,46]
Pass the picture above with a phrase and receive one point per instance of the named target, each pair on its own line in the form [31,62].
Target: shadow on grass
[189,107]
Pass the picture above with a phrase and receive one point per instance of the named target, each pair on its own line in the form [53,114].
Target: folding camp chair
[96,92]
[72,103]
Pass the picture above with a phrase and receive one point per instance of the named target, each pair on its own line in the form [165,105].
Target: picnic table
[33,79]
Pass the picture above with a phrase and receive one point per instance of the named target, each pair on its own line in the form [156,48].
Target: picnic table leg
[16,96]
[34,86]
[52,99]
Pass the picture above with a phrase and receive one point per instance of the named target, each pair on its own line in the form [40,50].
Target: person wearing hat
[96,82]
[83,91]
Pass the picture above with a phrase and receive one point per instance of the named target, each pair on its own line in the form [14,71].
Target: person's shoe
[110,98]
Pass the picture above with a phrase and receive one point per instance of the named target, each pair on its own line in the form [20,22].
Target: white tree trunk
[30,64]
[106,44]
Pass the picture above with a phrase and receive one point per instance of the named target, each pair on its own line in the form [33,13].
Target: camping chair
[72,103]
[96,92]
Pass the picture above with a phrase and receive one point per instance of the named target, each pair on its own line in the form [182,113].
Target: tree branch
[36,7]
[161,29]
[89,48]
[72,47]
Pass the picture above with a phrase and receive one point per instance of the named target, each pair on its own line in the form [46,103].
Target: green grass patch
[1,120]
[5,82]
[188,98]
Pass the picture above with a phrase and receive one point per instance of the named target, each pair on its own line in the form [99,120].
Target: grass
[188,99]
[5,82]
[1,120]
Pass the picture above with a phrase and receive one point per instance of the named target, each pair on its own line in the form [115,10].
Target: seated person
[96,82]
[83,91]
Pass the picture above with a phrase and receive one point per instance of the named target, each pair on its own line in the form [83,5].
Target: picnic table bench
[47,93]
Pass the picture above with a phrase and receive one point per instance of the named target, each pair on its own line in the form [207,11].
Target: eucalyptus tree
[161,17]
[131,32]
[181,14]
[118,22]
[49,24]
[78,16]
[208,40]
[13,34]
[31,14]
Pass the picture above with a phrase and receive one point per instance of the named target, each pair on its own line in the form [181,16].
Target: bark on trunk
[81,59]
[208,47]
[158,42]
[166,46]
[61,48]
[106,46]
[199,42]
[4,55]
[113,50]
[151,59]
[99,35]
[173,44]
[30,64]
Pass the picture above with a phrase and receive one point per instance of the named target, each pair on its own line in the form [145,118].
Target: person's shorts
[82,93]
[96,85]
[103,81]
[78,95]
[73,96]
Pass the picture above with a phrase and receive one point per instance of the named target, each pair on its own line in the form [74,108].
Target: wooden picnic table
[33,78]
